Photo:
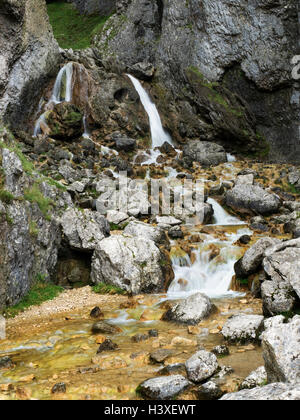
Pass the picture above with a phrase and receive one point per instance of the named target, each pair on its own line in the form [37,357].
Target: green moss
[33,229]
[71,29]
[39,293]
[108,289]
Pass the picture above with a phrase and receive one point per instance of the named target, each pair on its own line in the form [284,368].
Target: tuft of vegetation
[34,195]
[39,293]
[108,289]
[6,196]
[71,29]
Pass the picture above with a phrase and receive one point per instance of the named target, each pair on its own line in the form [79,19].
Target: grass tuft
[108,289]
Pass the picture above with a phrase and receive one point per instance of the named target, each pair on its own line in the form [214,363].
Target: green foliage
[33,229]
[71,29]
[39,293]
[6,196]
[108,289]
[34,195]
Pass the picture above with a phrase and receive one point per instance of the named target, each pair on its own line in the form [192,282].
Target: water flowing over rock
[271,392]
[243,328]
[84,230]
[131,263]
[164,387]
[29,58]
[281,351]
[191,310]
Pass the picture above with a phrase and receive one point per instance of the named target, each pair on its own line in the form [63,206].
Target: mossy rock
[65,121]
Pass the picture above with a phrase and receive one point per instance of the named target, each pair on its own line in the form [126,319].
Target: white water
[56,97]
[221,217]
[203,276]
[158,134]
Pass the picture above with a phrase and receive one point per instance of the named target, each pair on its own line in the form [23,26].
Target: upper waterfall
[158,134]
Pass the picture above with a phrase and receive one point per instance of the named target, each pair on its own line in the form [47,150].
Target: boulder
[84,229]
[64,121]
[202,365]
[281,263]
[125,144]
[146,231]
[281,350]
[278,297]
[163,387]
[243,328]
[247,197]
[271,392]
[253,257]
[209,391]
[206,153]
[102,327]
[191,310]
[134,264]
[255,379]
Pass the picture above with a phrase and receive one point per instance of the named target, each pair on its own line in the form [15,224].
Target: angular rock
[190,310]
[247,197]
[255,379]
[146,231]
[271,392]
[159,356]
[102,327]
[163,388]
[107,345]
[278,297]
[253,257]
[281,351]
[209,391]
[116,217]
[133,264]
[59,388]
[281,263]
[84,229]
[221,350]
[202,365]
[243,328]
[206,153]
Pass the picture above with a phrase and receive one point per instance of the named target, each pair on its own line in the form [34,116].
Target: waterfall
[203,275]
[221,217]
[57,96]
[158,134]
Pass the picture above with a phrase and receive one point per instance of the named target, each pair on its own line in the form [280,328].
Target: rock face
[30,237]
[133,264]
[246,197]
[271,392]
[83,230]
[281,351]
[202,365]
[243,328]
[211,43]
[191,310]
[278,297]
[64,122]
[208,154]
[89,7]
[29,57]
[163,388]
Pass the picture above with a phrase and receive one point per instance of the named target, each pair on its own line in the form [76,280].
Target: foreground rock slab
[281,351]
[164,387]
[243,328]
[255,379]
[191,310]
[272,392]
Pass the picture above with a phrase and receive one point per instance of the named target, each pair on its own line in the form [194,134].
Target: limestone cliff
[245,46]
[29,56]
